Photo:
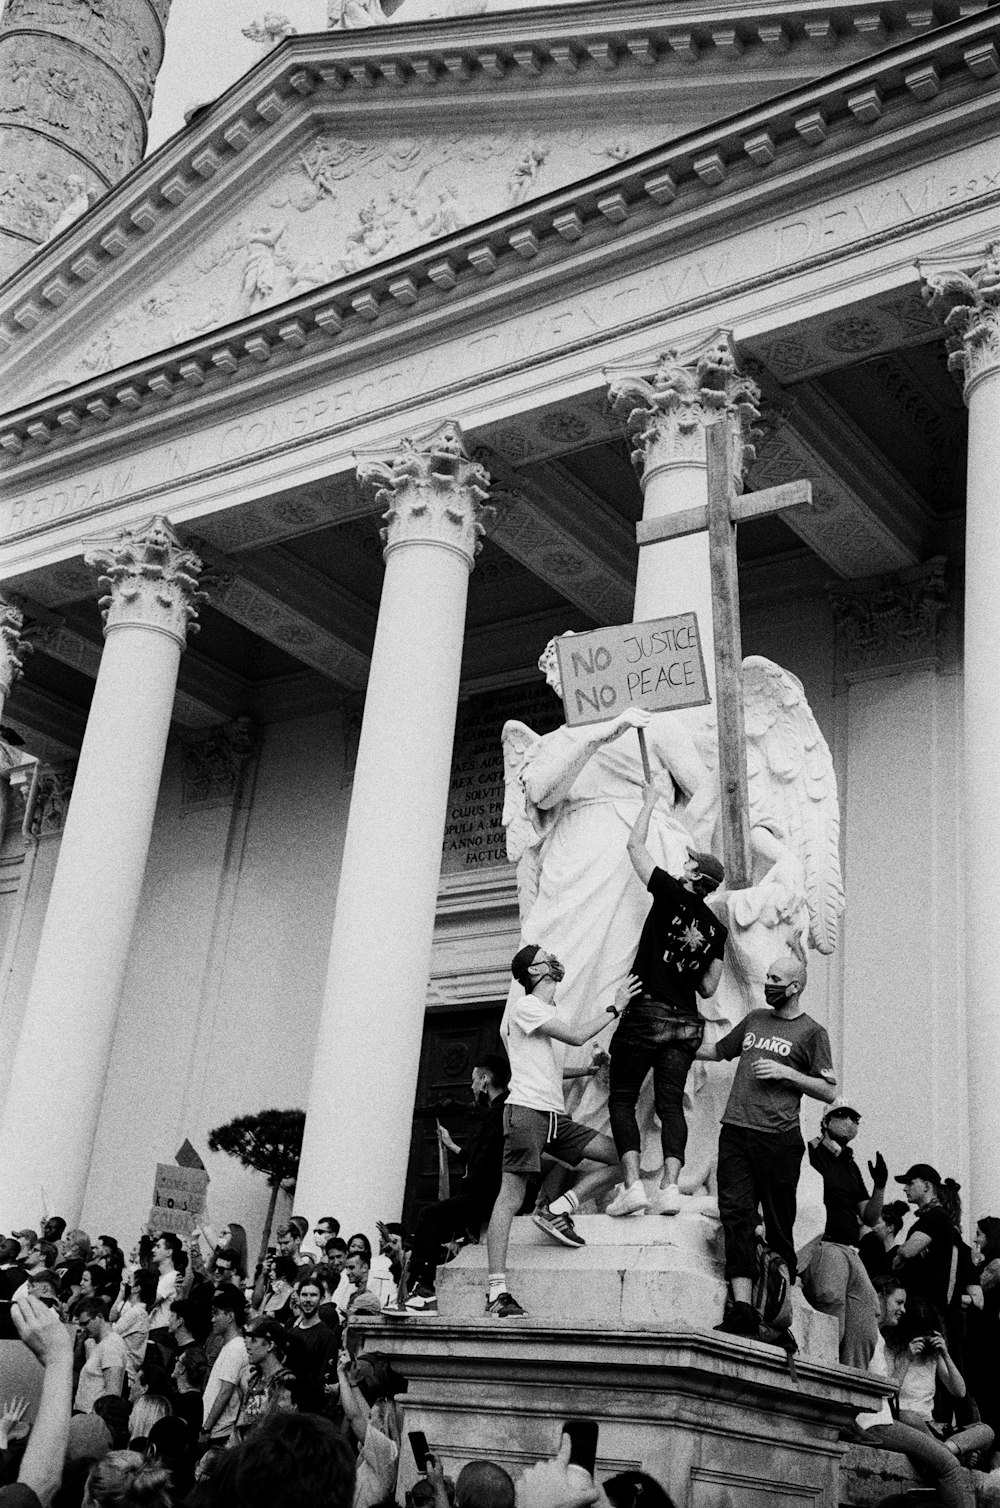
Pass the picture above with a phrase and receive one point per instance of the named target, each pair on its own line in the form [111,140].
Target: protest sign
[178,1198]
[657,665]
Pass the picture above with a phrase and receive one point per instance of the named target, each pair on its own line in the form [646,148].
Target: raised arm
[577,1035]
[642,859]
[559,757]
[44,1334]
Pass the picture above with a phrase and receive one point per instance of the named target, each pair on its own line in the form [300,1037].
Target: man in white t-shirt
[230,1373]
[103,1373]
[535,1119]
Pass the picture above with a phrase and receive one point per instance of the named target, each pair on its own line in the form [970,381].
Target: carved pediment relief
[336,204]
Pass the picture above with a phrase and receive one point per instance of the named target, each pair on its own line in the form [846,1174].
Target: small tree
[270,1143]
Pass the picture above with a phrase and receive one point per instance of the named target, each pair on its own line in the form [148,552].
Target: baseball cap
[709,865]
[25,1235]
[919,1170]
[840,1107]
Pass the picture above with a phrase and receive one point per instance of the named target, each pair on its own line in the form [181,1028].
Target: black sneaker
[504,1306]
[741,1319]
[559,1227]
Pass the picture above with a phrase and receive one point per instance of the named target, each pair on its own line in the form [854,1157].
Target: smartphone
[418,1445]
[582,1442]
[7,1329]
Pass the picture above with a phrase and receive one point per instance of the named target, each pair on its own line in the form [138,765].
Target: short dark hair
[286,1268]
[629,1489]
[195,1363]
[97,1307]
[46,1251]
[309,1280]
[360,1256]
[55,1220]
[144,1287]
[10,1249]
[193,1315]
[335,1243]
[174,1243]
[45,1279]
[521,963]
[291,1459]
[227,1296]
[332,1221]
[496,1065]
[484,1484]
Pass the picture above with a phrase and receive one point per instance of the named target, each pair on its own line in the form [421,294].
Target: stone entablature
[512,59]
[426,282]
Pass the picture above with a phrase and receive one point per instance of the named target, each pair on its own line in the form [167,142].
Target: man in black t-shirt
[835,1281]
[927,1262]
[679,958]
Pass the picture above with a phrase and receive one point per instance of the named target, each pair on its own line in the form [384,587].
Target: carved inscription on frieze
[474,836]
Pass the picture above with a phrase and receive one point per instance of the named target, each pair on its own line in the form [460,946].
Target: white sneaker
[666,1201]
[628,1200]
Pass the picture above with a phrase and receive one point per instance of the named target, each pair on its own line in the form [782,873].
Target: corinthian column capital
[432,493]
[667,412]
[149,579]
[13,647]
[969,306]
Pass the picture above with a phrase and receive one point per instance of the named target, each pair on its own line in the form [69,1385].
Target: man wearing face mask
[471,1206]
[535,1119]
[783,1054]
[679,958]
[835,1280]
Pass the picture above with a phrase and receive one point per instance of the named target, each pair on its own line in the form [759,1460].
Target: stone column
[360,1107]
[666,417]
[971,310]
[57,1079]
[76,91]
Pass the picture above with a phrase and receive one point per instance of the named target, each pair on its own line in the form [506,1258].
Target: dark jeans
[441,1222]
[632,1056]
[758,1173]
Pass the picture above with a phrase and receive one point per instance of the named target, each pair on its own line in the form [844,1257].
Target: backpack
[771,1297]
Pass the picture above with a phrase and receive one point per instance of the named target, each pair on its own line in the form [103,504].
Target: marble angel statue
[571,798]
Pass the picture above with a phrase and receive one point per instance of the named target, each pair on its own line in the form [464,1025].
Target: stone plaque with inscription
[474,838]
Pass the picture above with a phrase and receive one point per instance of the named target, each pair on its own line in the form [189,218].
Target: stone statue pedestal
[641,1273]
[621,1331]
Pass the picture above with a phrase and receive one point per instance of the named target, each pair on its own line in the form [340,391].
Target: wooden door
[454,1042]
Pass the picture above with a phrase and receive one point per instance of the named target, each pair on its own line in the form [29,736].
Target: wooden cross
[725,510]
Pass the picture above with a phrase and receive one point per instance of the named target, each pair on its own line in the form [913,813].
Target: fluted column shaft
[57,1080]
[360,1108]
[971,309]
[666,416]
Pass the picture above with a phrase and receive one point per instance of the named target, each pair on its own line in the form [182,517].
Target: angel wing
[522,820]
[793,789]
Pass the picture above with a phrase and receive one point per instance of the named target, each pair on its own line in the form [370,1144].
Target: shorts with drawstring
[529,1133]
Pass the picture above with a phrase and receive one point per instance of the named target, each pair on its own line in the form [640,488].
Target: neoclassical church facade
[253,851]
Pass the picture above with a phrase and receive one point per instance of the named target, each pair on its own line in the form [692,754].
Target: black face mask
[775,995]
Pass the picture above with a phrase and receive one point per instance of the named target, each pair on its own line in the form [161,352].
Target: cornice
[858,115]
[537,53]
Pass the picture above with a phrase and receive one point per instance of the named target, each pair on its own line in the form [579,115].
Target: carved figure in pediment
[446,217]
[345,15]
[374,233]
[525,172]
[103,350]
[266,268]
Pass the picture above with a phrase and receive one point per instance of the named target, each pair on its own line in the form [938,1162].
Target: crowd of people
[178,1376]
